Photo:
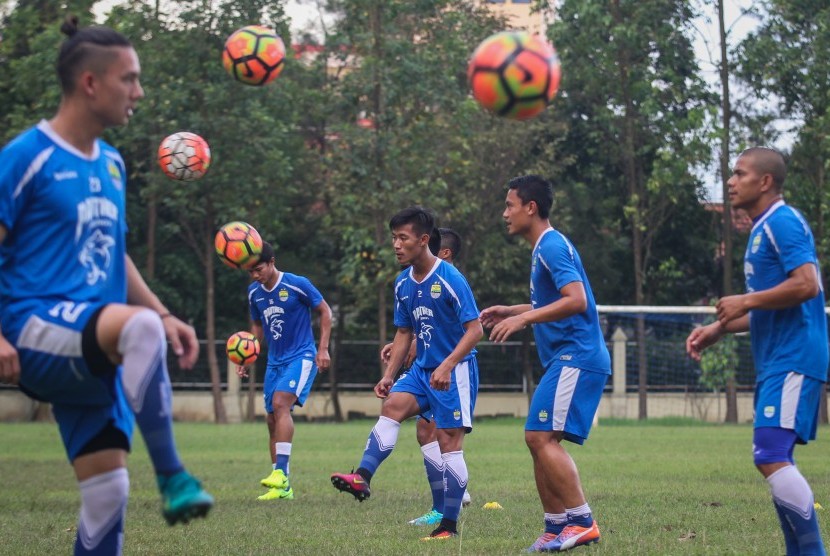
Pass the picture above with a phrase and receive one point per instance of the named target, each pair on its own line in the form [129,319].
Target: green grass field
[655,488]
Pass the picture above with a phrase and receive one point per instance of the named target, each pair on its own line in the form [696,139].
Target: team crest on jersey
[543,416]
[456,414]
[115,174]
[95,256]
[435,290]
[283,295]
[756,243]
[769,411]
[276,328]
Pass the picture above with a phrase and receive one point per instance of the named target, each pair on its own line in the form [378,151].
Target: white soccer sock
[790,489]
[432,453]
[103,506]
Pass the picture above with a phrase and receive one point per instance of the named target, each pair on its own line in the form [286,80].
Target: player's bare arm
[801,285]
[182,336]
[323,358]
[9,362]
[440,377]
[400,345]
[572,302]
[491,316]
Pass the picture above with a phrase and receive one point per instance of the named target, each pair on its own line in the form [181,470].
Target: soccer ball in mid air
[242,348]
[184,156]
[514,74]
[254,55]
[238,244]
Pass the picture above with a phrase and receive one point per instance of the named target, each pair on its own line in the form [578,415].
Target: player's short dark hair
[267,254]
[85,49]
[451,240]
[435,239]
[767,160]
[534,188]
[420,218]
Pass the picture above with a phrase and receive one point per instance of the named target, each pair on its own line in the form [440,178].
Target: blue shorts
[451,409]
[789,401]
[53,369]
[566,399]
[295,376]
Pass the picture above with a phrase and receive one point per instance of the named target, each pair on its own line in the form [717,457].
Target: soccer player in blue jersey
[80,327]
[572,350]
[434,302]
[783,310]
[280,305]
[446,245]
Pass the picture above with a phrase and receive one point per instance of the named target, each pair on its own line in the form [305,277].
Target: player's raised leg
[136,338]
[382,439]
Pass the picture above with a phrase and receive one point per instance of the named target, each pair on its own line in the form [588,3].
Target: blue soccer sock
[793,498]
[790,540]
[554,523]
[434,465]
[381,442]
[103,506]
[455,483]
[580,516]
[143,347]
[283,455]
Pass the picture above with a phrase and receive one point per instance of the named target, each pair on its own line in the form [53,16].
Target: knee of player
[140,326]
[772,445]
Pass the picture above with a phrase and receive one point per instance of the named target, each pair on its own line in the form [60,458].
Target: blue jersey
[576,340]
[65,221]
[792,339]
[435,309]
[285,314]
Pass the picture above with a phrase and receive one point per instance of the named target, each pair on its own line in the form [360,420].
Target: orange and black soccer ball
[254,55]
[238,245]
[514,74]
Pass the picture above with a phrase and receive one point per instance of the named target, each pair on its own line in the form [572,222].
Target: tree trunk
[152,222]
[334,382]
[637,204]
[220,416]
[726,111]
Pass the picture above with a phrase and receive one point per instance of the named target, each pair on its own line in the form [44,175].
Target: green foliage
[786,59]
[633,107]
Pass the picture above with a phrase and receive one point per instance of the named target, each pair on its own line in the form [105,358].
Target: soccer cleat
[183,497]
[440,534]
[572,536]
[353,483]
[466,500]
[543,539]
[278,494]
[276,479]
[432,517]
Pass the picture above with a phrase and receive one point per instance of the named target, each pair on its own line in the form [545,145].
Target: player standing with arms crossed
[281,303]
[434,301]
[783,310]
[573,353]
[80,327]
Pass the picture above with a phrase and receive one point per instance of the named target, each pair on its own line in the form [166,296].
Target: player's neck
[536,230]
[75,128]
[763,205]
[422,266]
[272,281]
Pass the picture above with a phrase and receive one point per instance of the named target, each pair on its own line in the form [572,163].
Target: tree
[633,139]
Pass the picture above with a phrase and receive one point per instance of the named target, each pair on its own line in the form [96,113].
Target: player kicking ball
[434,301]
[446,245]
